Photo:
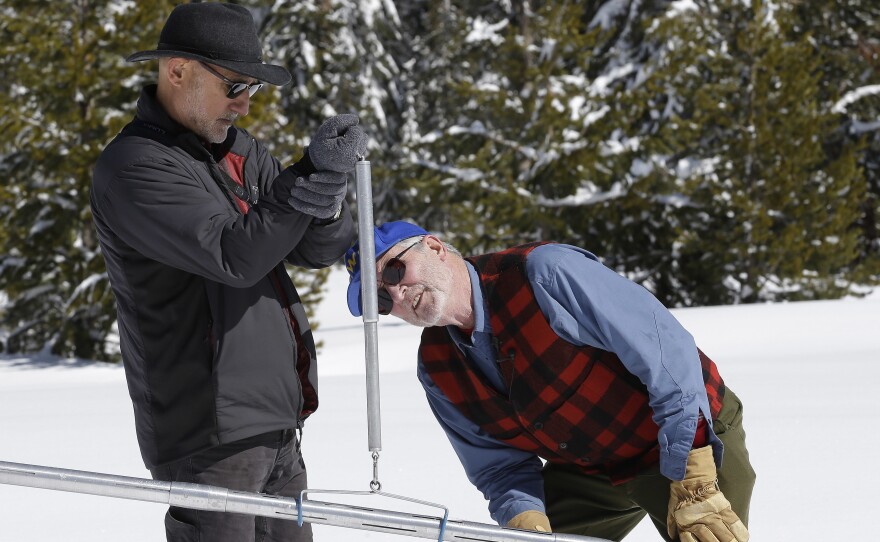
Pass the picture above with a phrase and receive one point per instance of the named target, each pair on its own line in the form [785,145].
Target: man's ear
[174,70]
[436,246]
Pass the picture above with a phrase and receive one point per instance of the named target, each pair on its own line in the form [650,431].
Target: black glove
[320,194]
[337,144]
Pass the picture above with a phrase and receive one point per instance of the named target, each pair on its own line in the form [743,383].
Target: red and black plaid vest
[566,403]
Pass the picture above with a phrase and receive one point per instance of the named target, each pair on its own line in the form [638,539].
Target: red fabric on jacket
[234,164]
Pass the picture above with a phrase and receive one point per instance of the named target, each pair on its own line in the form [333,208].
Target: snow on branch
[854,96]
[86,286]
[602,84]
[484,31]
[679,7]
[585,195]
[608,13]
[479,129]
[469,175]
[858,126]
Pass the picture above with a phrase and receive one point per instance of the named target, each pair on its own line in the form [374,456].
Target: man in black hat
[195,219]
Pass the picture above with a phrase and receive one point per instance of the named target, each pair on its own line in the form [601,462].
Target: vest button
[585,460]
[539,426]
[563,445]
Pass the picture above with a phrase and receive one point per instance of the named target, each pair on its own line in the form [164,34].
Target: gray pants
[270,463]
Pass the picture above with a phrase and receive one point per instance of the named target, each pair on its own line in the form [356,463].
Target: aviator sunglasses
[235,89]
[392,275]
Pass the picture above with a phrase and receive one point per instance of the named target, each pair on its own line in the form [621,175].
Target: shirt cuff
[516,506]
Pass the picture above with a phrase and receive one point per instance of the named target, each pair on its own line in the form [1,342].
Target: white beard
[434,288]
[211,130]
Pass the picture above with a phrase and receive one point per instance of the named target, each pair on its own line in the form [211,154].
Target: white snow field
[807,373]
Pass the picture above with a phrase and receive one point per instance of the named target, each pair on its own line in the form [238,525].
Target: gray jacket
[207,313]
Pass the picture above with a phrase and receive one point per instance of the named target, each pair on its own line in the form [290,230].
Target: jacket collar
[149,110]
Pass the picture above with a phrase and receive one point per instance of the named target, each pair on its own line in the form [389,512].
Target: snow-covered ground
[807,374]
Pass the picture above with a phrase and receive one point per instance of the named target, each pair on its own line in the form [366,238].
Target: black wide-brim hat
[220,34]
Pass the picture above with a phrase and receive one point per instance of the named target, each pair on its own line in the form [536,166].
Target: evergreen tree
[767,213]
[505,127]
[846,36]
[66,91]
[715,151]
[533,127]
[684,146]
[623,203]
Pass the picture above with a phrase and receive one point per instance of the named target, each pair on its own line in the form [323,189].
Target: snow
[588,194]
[854,96]
[608,13]
[602,85]
[859,127]
[806,373]
[679,7]
[484,31]
[594,116]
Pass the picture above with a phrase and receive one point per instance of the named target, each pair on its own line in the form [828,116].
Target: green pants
[587,504]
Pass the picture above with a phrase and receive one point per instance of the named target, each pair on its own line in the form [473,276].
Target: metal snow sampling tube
[369,309]
[219,499]
[370,299]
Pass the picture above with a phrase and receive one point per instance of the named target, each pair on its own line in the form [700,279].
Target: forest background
[715,151]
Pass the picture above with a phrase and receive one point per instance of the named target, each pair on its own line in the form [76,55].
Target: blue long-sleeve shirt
[586,304]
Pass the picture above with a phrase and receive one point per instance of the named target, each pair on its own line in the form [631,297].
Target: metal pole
[370,300]
[219,499]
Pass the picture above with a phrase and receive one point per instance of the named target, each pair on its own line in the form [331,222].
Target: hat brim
[354,296]
[355,307]
[269,73]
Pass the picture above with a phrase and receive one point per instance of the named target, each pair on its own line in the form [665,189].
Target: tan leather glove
[531,520]
[698,511]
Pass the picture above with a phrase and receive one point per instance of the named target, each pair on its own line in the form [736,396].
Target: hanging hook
[375,485]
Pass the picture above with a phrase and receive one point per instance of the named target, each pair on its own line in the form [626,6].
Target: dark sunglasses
[235,89]
[392,275]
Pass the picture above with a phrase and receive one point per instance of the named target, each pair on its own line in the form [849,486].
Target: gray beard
[211,130]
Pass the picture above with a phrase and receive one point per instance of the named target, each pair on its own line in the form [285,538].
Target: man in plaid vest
[540,352]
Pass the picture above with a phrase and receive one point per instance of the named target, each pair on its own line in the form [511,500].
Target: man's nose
[397,292]
[241,104]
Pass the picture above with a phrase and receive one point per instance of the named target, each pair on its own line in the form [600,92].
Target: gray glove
[320,195]
[337,143]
